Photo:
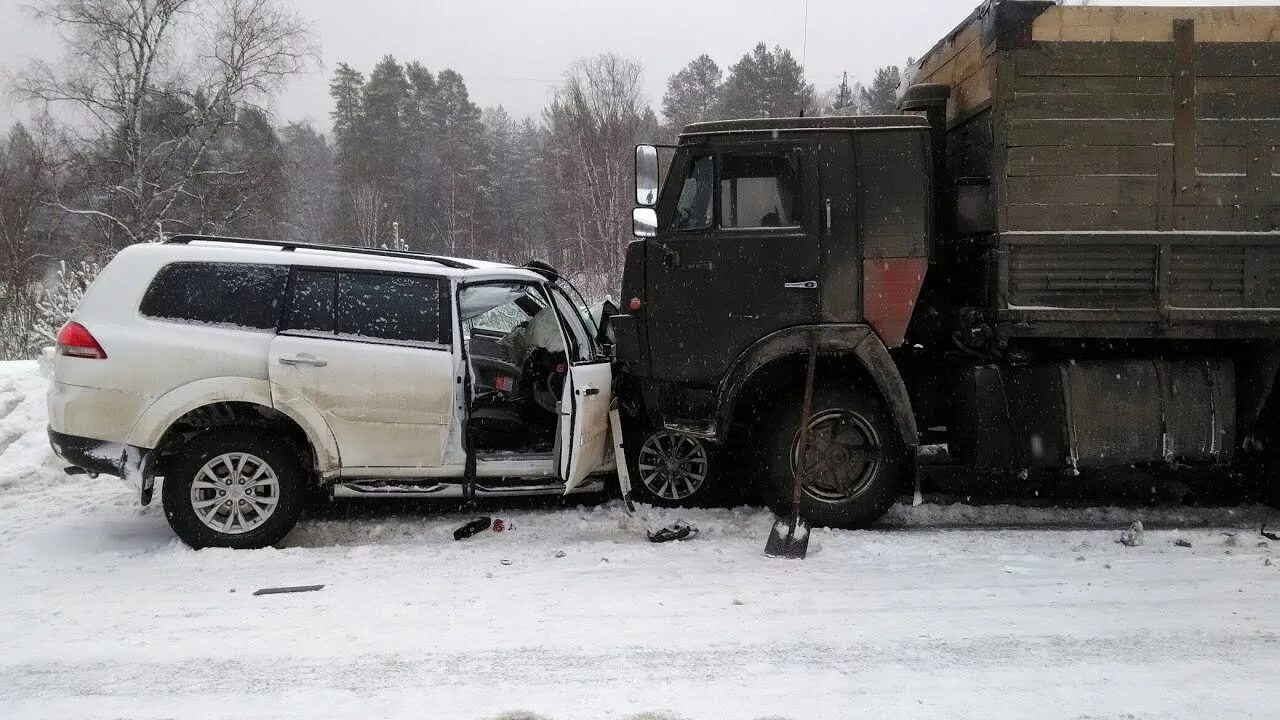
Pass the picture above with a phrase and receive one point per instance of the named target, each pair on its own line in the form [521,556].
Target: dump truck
[1063,254]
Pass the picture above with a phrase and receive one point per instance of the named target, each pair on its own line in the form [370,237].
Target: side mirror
[646,175]
[644,222]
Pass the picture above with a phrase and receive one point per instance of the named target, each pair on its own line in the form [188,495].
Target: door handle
[296,360]
[590,390]
[801,285]
[670,258]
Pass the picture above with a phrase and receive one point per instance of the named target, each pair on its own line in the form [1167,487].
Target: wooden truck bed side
[1133,156]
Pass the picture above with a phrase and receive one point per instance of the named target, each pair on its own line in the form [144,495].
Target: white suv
[249,374]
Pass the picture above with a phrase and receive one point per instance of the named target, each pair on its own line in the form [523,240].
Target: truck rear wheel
[854,463]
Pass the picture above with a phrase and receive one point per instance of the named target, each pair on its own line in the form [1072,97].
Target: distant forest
[138,136]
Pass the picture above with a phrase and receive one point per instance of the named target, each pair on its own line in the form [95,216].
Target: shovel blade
[788,539]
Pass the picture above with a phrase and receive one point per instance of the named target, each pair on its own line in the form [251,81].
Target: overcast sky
[512,53]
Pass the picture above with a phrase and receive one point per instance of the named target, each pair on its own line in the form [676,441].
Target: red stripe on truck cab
[889,290]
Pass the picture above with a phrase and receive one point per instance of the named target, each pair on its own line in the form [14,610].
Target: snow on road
[572,614]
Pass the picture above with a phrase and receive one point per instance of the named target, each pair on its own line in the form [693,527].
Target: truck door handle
[801,285]
[590,390]
[296,360]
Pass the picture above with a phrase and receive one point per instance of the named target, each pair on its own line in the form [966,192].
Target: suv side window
[374,307]
[238,294]
[760,189]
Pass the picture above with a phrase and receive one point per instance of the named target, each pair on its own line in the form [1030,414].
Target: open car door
[584,421]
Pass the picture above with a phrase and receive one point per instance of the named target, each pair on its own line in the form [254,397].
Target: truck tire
[857,459]
[671,469]
[238,489]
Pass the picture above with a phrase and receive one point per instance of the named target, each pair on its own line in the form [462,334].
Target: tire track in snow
[567,667]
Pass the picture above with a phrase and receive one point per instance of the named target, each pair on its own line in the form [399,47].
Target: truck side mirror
[646,176]
[644,222]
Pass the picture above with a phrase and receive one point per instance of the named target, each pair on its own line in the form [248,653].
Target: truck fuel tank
[1094,413]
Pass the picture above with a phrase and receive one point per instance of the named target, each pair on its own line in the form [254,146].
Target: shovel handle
[802,444]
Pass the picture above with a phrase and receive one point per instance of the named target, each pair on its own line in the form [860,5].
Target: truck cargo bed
[1121,166]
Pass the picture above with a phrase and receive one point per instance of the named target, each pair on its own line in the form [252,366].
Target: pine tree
[311,184]
[693,94]
[766,83]
[881,97]
[347,89]
[383,101]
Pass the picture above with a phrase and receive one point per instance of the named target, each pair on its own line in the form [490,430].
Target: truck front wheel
[853,465]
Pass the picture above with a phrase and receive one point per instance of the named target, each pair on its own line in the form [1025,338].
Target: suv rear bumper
[96,456]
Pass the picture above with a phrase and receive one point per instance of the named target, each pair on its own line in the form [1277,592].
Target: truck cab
[765,235]
[1063,257]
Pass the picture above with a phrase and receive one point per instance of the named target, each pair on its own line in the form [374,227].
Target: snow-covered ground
[572,614]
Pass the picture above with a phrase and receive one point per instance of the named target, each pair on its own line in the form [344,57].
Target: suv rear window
[236,294]
[368,306]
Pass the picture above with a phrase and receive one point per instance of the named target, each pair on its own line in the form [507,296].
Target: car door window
[760,189]
[311,304]
[369,307]
[694,207]
[388,308]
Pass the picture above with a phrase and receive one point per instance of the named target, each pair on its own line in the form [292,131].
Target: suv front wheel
[233,489]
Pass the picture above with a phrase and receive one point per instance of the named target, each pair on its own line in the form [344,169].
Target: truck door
[735,257]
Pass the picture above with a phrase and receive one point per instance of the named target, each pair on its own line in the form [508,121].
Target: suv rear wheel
[854,461]
[233,489]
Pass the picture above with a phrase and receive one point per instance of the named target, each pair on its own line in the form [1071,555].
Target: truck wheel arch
[851,340]
[152,426]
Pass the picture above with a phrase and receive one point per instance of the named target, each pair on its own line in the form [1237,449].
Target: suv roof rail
[288,246]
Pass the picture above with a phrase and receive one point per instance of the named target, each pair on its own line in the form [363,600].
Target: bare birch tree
[596,118]
[151,110]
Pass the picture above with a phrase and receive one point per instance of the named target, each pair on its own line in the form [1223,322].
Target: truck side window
[760,189]
[693,210]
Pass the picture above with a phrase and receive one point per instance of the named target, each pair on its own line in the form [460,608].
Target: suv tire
[238,489]
[858,458]
[679,470]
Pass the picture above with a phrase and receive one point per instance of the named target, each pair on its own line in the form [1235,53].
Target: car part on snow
[620,457]
[288,589]
[471,528]
[790,539]
[1133,536]
[680,530]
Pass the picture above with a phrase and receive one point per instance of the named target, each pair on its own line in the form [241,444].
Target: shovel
[789,537]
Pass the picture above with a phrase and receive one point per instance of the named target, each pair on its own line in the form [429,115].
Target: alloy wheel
[235,492]
[673,466]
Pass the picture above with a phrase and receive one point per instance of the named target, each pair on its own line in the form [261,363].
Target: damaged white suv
[250,374]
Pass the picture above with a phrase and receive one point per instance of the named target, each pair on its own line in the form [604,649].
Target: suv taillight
[75,340]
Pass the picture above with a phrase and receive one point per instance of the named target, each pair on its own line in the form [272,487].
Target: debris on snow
[1182,542]
[471,528]
[1133,536]
[287,589]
